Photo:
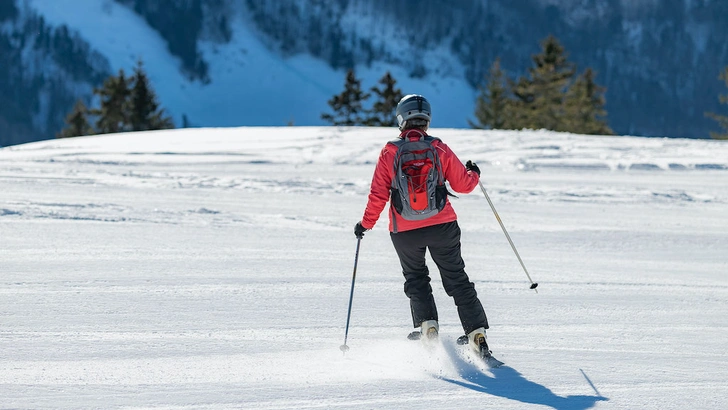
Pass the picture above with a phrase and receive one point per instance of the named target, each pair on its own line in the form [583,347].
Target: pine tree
[584,107]
[520,113]
[113,115]
[127,104]
[492,103]
[78,124]
[539,99]
[721,119]
[144,111]
[383,110]
[347,106]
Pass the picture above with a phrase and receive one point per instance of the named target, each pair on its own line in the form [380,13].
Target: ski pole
[533,285]
[344,348]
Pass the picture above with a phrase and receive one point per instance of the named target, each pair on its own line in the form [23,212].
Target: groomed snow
[211,268]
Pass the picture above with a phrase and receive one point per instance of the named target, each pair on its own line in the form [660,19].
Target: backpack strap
[401,140]
[394,218]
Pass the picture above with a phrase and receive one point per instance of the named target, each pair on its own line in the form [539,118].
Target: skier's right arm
[379,191]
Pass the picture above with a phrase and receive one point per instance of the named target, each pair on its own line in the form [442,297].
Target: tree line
[551,95]
[125,104]
[722,120]
[348,106]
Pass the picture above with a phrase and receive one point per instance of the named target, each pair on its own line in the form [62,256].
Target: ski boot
[430,329]
[429,332]
[476,341]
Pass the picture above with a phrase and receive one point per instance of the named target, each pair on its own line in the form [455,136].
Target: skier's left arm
[379,191]
[460,178]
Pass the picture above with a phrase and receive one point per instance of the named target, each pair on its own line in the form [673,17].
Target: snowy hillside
[251,83]
[211,268]
[232,62]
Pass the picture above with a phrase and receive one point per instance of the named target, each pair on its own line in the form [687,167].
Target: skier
[439,233]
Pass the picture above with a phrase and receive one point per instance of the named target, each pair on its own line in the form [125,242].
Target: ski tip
[416,335]
[493,363]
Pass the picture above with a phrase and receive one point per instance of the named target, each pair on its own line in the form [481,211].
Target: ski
[430,342]
[485,354]
[492,362]
[416,335]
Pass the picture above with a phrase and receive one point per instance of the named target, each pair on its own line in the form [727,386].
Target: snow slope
[286,90]
[211,268]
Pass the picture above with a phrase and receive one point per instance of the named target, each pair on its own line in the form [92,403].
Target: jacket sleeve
[461,180]
[380,188]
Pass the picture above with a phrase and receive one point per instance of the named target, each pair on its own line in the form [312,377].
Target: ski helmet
[410,107]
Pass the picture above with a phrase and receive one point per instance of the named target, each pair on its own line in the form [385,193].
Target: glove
[470,166]
[359,230]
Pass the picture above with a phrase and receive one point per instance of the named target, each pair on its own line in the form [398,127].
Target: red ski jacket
[461,180]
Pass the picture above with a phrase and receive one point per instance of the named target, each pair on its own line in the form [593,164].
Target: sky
[211,268]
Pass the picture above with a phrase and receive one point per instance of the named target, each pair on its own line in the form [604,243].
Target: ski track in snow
[211,268]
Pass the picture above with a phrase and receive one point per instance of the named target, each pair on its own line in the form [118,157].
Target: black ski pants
[443,241]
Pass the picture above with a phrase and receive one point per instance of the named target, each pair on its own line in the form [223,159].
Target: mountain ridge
[298,50]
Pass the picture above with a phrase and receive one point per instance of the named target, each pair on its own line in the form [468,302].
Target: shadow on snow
[509,383]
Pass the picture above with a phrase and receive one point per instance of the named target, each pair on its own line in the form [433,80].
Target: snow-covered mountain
[212,268]
[227,63]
